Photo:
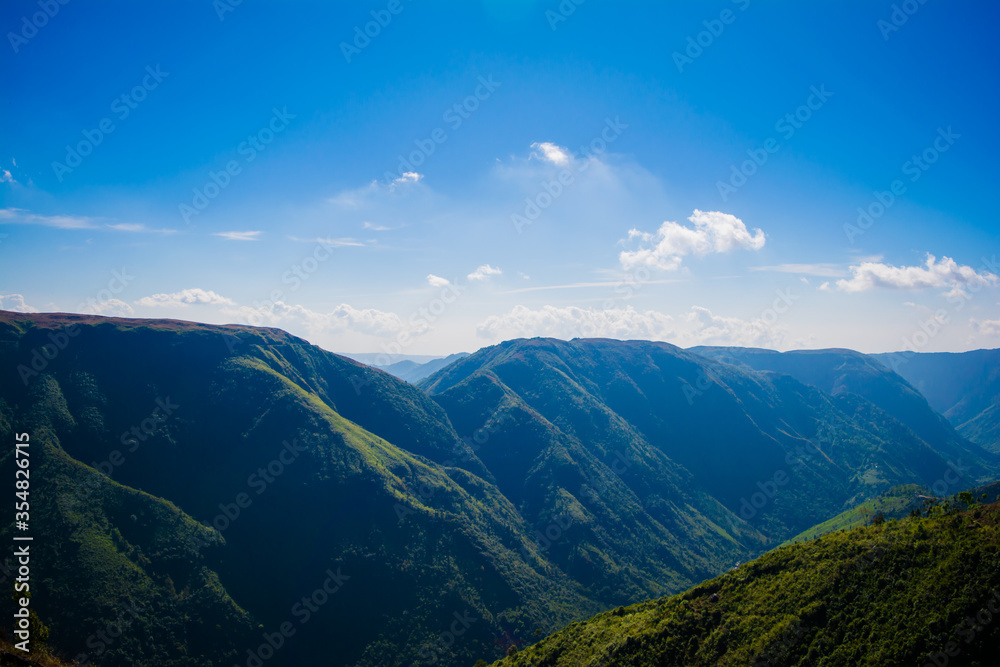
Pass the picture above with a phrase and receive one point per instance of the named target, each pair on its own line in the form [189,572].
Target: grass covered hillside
[195,483]
[917,591]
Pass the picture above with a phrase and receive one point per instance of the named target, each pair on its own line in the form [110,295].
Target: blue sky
[474,171]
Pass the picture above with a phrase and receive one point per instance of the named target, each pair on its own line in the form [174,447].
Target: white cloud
[484,272]
[109,308]
[185,298]
[356,198]
[239,236]
[379,228]
[437,281]
[946,274]
[342,318]
[712,329]
[19,216]
[713,232]
[573,322]
[139,228]
[553,153]
[15,303]
[407,177]
[986,327]
[5,177]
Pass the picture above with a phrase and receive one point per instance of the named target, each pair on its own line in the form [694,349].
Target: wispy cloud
[328,241]
[380,228]
[139,228]
[711,329]
[484,272]
[603,283]
[574,322]
[821,270]
[20,216]
[15,303]
[343,318]
[239,236]
[986,327]
[356,198]
[187,297]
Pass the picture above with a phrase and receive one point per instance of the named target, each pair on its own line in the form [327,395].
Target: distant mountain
[702,454]
[914,592]
[841,372]
[964,387]
[413,371]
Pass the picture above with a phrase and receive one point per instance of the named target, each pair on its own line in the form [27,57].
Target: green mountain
[922,591]
[223,495]
[206,485]
[838,372]
[964,387]
[703,453]
[898,503]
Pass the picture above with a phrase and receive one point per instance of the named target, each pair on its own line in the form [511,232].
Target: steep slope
[964,387]
[914,592]
[315,520]
[707,453]
[838,372]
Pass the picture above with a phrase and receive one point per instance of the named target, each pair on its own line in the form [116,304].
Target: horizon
[464,175]
[423,358]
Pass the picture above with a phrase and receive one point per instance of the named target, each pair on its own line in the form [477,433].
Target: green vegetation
[896,504]
[910,592]
[964,387]
[196,483]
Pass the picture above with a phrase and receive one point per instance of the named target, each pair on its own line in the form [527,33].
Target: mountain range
[229,494]
[964,387]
